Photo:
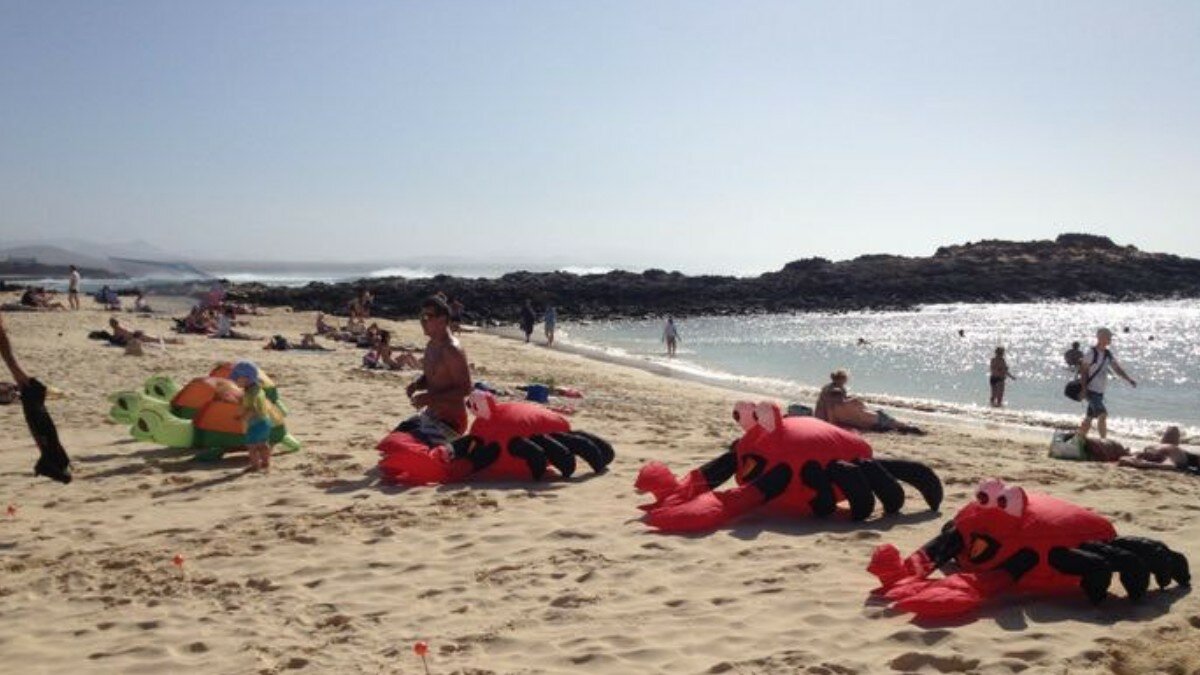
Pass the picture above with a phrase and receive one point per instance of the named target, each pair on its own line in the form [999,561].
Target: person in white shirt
[1093,374]
[671,336]
[73,288]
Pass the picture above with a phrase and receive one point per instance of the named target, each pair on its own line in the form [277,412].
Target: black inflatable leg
[474,450]
[1167,565]
[917,475]
[851,481]
[583,447]
[1094,572]
[886,488]
[559,456]
[944,547]
[814,476]
[606,451]
[1135,575]
[534,456]
[774,482]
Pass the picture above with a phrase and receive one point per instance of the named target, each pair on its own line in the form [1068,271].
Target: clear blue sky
[724,136]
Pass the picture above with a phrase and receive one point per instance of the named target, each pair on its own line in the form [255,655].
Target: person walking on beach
[53,462]
[551,320]
[670,336]
[73,288]
[1093,375]
[998,373]
[527,320]
[440,393]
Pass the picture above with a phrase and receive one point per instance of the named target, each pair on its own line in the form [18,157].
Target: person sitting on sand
[140,304]
[225,329]
[1166,455]
[836,406]
[324,327]
[37,298]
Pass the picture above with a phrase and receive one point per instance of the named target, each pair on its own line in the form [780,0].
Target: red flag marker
[177,560]
[421,648]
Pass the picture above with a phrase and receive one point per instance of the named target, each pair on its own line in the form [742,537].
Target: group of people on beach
[439,391]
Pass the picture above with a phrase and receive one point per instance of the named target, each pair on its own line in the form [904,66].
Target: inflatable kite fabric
[1012,540]
[205,415]
[156,391]
[793,466]
[506,441]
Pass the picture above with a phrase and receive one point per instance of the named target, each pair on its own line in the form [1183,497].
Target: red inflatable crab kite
[790,465]
[1009,539]
[507,441]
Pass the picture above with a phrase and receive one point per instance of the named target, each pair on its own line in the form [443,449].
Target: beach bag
[1064,446]
[798,410]
[538,393]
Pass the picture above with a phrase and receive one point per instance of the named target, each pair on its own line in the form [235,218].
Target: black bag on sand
[53,462]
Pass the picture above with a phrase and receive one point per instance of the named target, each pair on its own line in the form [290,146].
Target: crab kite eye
[1012,501]
[768,415]
[743,413]
[989,492]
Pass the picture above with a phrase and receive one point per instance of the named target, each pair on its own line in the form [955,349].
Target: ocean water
[917,359]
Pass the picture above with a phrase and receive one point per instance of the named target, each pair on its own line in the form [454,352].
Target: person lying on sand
[122,336]
[836,406]
[308,342]
[1166,455]
[53,462]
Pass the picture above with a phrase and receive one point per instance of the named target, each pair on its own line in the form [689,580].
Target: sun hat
[244,369]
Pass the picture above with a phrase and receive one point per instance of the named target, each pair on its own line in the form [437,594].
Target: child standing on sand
[258,413]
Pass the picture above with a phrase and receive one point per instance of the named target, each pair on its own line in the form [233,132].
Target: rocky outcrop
[1072,267]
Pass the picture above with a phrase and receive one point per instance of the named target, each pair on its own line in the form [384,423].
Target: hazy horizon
[713,137]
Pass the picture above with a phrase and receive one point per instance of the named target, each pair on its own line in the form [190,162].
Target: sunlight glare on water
[919,359]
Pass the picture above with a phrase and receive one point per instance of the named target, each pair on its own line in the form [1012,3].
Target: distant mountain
[134,258]
[102,249]
[57,256]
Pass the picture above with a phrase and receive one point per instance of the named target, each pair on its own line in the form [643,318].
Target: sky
[692,135]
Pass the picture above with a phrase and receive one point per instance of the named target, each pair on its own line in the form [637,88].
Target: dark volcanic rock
[1072,267]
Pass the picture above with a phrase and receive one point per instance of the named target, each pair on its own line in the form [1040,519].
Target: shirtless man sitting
[440,392]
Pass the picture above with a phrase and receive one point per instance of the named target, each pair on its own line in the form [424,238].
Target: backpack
[1074,389]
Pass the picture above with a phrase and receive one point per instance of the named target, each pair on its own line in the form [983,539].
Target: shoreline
[920,411]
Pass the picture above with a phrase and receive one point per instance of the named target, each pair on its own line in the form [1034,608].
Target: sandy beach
[317,567]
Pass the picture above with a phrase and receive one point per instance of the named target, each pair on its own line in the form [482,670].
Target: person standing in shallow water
[551,322]
[528,318]
[998,372]
[671,336]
